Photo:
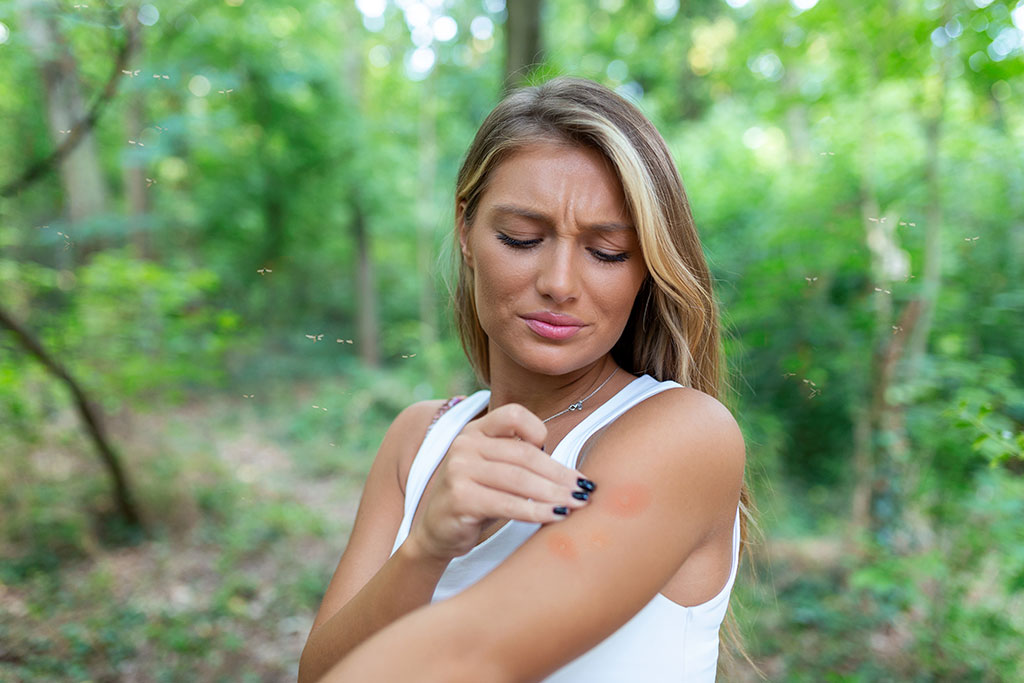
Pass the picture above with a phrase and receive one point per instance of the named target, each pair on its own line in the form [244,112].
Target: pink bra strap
[448,405]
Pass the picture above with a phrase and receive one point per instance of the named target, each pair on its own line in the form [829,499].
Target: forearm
[406,581]
[439,644]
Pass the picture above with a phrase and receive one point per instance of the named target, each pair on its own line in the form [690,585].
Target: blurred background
[224,260]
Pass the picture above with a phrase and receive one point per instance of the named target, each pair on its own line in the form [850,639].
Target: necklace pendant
[578,405]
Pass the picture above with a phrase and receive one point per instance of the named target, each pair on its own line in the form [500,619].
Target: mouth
[553,325]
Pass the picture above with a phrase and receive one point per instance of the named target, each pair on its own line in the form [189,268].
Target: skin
[668,471]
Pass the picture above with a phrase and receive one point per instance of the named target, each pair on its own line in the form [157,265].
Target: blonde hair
[673,329]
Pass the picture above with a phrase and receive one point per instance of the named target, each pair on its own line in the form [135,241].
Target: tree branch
[83,125]
[91,419]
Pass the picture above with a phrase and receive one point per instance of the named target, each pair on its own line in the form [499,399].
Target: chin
[553,360]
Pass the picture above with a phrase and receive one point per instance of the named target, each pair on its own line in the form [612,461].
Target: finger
[513,420]
[523,454]
[499,504]
[521,482]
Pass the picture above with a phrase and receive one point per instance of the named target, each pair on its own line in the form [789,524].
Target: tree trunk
[132,169]
[80,171]
[923,306]
[893,469]
[931,275]
[426,218]
[864,456]
[367,321]
[796,119]
[366,293]
[523,48]
[892,474]
[863,472]
[90,418]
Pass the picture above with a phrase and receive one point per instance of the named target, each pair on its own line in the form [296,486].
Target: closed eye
[609,258]
[517,244]
[526,244]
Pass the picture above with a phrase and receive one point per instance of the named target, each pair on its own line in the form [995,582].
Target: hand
[494,469]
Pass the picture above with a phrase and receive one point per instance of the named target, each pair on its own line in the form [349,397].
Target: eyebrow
[511,209]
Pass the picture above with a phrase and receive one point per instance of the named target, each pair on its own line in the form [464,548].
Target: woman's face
[556,261]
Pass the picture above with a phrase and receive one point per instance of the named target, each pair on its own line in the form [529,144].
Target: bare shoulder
[690,414]
[405,435]
[417,416]
[679,433]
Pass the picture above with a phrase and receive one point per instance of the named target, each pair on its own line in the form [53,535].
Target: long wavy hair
[673,329]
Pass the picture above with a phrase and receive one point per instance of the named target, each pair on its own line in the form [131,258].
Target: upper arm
[380,509]
[669,474]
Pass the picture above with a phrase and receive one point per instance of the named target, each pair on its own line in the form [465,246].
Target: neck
[547,395]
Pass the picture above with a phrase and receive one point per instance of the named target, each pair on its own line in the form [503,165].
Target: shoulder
[406,433]
[682,414]
[682,408]
[676,438]
[418,415]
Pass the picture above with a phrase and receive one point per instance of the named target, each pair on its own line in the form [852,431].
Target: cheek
[496,285]
[619,298]
[628,299]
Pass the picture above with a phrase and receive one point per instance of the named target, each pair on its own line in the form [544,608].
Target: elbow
[313,662]
[305,673]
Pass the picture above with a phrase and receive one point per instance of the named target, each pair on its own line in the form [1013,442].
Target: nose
[558,276]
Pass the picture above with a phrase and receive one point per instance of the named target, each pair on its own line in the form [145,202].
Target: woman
[584,303]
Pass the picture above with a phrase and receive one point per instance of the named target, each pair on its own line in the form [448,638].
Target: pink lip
[553,325]
[554,318]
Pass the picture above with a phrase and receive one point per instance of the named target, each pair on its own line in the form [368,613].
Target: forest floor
[246,536]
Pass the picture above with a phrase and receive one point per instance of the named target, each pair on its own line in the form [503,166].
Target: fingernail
[561,510]
[580,495]
[586,485]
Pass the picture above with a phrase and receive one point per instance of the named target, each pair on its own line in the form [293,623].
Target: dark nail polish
[561,510]
[586,485]
[580,495]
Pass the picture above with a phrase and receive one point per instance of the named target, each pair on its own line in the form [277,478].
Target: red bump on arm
[562,546]
[629,500]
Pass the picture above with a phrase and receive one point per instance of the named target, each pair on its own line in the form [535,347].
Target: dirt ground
[181,572]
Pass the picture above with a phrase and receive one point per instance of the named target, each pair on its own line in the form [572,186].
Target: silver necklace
[578,405]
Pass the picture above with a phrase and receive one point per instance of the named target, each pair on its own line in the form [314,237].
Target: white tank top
[663,642]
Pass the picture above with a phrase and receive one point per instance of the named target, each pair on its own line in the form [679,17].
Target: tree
[81,175]
[523,47]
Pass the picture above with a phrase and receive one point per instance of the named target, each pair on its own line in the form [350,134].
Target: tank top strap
[440,435]
[568,450]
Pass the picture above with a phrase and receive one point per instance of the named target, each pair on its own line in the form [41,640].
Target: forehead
[551,175]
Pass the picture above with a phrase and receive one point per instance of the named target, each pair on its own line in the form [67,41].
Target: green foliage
[46,530]
[126,328]
[150,328]
[269,133]
[990,414]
